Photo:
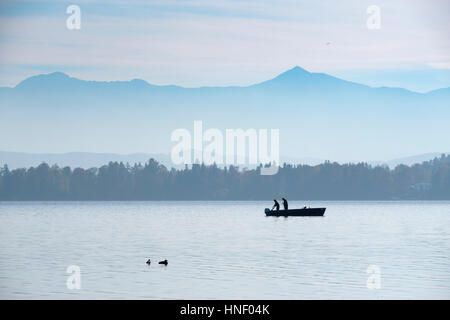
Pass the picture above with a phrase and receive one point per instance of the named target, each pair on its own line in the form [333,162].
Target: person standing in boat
[285,204]
[276,205]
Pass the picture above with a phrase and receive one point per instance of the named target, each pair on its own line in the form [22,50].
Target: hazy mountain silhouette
[83,160]
[88,160]
[411,160]
[315,111]
[295,80]
[299,79]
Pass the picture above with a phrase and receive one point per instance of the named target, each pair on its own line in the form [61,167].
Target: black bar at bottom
[224,309]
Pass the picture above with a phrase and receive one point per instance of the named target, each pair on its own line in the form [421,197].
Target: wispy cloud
[198,42]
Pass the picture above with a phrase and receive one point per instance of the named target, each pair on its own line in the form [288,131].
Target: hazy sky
[233,42]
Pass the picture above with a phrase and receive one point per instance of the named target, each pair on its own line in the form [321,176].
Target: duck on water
[164,262]
[303,212]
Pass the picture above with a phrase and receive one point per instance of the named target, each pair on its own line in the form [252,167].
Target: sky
[228,42]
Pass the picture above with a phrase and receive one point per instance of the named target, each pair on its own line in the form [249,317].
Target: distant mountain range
[88,160]
[76,159]
[317,115]
[296,80]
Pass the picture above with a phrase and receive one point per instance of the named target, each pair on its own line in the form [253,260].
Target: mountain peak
[293,74]
[57,74]
[42,79]
[290,77]
[139,83]
[297,70]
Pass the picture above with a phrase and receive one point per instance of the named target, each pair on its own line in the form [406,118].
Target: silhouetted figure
[163,262]
[148,262]
[285,204]
[276,205]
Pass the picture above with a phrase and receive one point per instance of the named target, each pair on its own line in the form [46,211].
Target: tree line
[153,181]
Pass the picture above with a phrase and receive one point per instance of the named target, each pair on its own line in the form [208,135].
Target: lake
[224,250]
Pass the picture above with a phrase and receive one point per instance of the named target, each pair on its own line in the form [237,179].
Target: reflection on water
[224,250]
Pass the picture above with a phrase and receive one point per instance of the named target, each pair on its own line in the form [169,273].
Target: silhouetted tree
[153,181]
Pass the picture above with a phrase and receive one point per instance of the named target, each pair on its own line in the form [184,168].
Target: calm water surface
[224,250]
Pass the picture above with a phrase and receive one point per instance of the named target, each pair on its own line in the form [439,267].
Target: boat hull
[305,212]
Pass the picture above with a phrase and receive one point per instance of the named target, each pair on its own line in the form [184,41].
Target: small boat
[304,212]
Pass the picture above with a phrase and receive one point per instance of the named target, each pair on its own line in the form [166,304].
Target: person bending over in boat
[276,205]
[285,204]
